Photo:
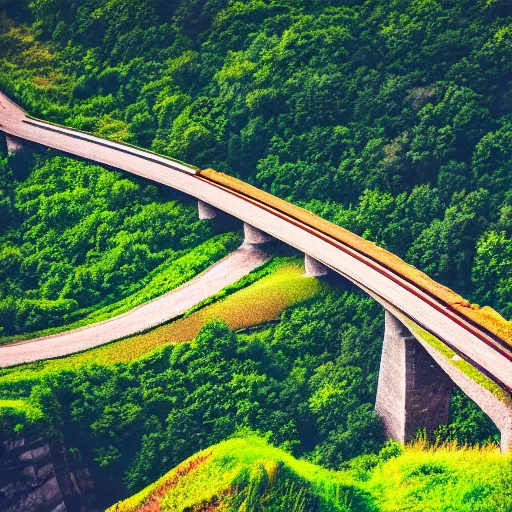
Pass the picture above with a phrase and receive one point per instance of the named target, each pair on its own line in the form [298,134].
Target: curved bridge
[432,336]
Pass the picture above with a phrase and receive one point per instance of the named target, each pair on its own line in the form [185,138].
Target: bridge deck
[435,308]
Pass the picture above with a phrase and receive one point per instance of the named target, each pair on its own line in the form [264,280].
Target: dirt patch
[152,503]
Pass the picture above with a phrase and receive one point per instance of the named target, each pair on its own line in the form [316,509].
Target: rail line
[492,341]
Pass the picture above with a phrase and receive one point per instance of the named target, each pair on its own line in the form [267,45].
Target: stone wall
[36,477]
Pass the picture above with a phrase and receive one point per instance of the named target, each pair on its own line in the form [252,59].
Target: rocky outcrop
[35,476]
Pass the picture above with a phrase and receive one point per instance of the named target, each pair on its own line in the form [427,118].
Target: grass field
[444,479]
[246,471]
[247,474]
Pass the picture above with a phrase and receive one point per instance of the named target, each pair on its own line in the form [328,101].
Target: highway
[472,342]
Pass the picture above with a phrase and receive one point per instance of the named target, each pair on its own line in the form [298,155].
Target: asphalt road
[414,304]
[223,273]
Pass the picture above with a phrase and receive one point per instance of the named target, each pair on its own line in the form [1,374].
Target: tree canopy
[390,118]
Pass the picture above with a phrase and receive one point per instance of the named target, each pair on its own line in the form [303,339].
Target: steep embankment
[247,474]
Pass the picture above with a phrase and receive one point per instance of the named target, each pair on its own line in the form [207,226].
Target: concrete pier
[206,211]
[254,236]
[14,145]
[313,267]
[498,410]
[413,391]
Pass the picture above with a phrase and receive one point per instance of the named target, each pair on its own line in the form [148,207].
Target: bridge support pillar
[14,145]
[254,236]
[506,435]
[313,267]
[206,211]
[413,391]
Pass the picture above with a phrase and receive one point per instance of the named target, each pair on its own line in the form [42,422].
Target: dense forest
[77,239]
[392,119]
[306,385]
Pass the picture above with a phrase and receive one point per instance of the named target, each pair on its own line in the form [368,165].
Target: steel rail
[397,278]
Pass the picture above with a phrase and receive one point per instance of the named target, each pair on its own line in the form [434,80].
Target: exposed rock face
[36,477]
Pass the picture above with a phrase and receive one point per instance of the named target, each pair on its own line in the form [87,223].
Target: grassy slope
[223,469]
[444,479]
[166,277]
[255,299]
[244,474]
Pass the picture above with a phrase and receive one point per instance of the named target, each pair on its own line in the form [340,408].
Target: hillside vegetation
[80,244]
[307,384]
[392,119]
[247,474]
[267,291]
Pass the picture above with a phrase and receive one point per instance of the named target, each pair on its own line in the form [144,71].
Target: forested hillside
[306,385]
[392,119]
[76,240]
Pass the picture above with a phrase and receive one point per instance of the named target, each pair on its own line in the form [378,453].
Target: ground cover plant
[248,474]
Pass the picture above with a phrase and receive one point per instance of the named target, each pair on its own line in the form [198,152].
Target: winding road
[472,342]
[171,305]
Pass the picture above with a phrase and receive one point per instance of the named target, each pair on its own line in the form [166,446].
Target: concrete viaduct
[428,344]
